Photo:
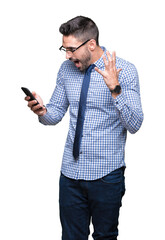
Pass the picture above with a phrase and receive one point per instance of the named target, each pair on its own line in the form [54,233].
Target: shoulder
[129,72]
[67,71]
[125,65]
[68,66]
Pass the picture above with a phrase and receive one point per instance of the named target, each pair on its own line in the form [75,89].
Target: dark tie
[81,111]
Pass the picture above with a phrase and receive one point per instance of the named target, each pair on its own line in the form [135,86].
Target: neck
[98,52]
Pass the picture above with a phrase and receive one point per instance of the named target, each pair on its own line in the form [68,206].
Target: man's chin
[81,67]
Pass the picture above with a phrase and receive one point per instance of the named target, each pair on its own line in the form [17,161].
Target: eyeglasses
[71,49]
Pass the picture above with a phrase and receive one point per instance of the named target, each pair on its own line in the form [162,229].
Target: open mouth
[76,62]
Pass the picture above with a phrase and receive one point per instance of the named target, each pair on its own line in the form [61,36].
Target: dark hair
[82,28]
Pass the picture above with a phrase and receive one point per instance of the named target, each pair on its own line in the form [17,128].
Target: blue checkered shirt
[106,119]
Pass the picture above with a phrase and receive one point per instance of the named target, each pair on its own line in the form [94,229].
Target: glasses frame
[72,51]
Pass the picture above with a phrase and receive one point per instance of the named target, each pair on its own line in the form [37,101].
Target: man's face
[81,57]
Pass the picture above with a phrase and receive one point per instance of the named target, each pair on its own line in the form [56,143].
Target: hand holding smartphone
[39,111]
[29,94]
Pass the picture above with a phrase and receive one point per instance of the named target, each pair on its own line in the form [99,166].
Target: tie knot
[89,69]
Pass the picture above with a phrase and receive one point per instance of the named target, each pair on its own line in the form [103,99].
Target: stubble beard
[84,61]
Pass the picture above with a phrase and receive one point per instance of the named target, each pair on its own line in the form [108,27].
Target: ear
[92,45]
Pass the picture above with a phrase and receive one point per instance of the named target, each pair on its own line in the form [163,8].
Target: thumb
[34,94]
[99,71]
[118,71]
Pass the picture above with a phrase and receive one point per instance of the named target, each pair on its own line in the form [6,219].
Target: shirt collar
[100,62]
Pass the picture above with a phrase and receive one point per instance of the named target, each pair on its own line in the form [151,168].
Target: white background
[30,156]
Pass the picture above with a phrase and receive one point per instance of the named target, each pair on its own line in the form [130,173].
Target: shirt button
[116,102]
[80,152]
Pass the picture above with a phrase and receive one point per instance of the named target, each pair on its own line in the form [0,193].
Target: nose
[68,54]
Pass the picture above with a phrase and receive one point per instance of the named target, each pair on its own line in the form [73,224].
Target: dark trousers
[98,200]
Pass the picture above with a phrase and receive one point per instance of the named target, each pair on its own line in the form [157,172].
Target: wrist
[42,112]
[115,95]
[116,89]
[45,110]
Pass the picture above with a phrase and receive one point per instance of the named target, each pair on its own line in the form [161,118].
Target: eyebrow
[68,47]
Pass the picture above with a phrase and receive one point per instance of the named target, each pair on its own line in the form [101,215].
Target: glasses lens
[69,50]
[62,49]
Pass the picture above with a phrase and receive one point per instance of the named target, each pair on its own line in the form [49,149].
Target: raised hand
[38,109]
[110,74]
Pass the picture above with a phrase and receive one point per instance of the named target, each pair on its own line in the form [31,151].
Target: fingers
[110,64]
[41,111]
[99,71]
[38,109]
[35,106]
[34,94]
[105,61]
[111,59]
[118,71]
[114,58]
[32,103]
[27,98]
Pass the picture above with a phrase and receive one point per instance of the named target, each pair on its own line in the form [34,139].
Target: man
[103,94]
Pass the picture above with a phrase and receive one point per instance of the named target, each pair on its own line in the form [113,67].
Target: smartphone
[29,94]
